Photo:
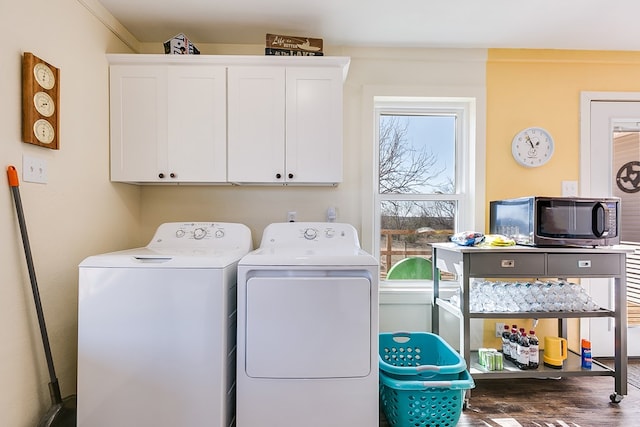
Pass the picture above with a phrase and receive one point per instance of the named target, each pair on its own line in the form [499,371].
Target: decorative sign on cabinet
[226,119]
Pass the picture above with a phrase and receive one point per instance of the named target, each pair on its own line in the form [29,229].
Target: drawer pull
[584,263]
[507,263]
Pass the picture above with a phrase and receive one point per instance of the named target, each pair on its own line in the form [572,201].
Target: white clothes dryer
[308,329]
[157,329]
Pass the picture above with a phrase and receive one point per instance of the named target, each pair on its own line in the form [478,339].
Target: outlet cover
[34,169]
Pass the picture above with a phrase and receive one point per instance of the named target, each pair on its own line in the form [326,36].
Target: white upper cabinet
[138,113]
[197,131]
[285,125]
[168,123]
[256,124]
[218,119]
[313,125]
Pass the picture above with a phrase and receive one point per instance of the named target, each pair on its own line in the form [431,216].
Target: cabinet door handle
[290,175]
[278,176]
[160,175]
[172,175]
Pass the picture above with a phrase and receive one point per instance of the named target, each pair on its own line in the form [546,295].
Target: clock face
[44,104]
[44,132]
[44,75]
[532,147]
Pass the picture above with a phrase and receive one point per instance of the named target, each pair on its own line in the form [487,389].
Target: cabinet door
[196,149]
[138,110]
[256,106]
[314,125]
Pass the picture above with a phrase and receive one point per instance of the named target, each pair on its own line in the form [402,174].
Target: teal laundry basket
[434,402]
[418,356]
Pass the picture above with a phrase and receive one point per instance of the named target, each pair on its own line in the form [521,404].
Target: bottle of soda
[513,343]
[534,347]
[505,341]
[522,360]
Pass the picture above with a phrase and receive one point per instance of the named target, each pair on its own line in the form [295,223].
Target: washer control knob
[219,234]
[180,233]
[199,233]
[329,233]
[310,234]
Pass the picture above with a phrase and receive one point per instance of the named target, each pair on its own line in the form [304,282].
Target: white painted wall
[78,213]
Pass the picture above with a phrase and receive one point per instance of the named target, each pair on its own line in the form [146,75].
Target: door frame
[586,98]
[585,130]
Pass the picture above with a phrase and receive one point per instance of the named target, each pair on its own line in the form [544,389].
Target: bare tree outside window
[416,156]
[404,168]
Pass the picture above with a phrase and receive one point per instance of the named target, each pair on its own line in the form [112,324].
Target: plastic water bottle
[534,350]
[523,345]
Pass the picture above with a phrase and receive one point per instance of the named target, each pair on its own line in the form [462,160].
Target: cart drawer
[570,265]
[507,265]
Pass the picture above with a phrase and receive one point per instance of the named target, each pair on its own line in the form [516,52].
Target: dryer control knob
[219,234]
[310,233]
[199,233]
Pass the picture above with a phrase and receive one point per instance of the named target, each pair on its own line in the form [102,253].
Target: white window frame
[464,111]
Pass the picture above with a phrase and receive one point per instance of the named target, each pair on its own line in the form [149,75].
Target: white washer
[308,329]
[157,329]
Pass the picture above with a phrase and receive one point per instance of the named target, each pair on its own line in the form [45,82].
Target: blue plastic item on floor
[434,402]
[417,355]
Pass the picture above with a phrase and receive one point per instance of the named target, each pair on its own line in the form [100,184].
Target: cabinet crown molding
[232,60]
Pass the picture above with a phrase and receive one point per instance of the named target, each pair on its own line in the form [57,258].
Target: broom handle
[54,388]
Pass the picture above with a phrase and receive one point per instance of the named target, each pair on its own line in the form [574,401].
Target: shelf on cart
[524,314]
[571,367]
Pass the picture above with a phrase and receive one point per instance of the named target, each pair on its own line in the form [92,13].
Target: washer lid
[166,258]
[183,245]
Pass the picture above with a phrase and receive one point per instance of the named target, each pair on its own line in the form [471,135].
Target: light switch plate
[34,169]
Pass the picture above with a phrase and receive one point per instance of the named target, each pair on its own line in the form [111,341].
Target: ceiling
[552,24]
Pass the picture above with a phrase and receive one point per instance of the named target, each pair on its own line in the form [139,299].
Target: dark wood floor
[567,402]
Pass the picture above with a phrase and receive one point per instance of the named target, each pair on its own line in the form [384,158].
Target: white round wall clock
[532,147]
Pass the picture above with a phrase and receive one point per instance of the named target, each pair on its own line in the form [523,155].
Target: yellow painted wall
[542,88]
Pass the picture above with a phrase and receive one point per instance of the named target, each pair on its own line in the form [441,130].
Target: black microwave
[557,221]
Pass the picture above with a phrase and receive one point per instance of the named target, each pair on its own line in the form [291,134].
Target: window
[422,183]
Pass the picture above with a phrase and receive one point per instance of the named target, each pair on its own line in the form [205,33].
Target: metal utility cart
[531,262]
